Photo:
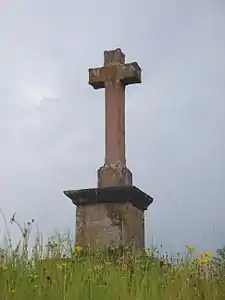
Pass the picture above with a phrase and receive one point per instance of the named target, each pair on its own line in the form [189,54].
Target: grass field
[58,271]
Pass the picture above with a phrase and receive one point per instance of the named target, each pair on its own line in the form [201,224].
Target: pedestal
[110,216]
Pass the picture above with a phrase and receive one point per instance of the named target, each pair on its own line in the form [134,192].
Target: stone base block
[110,216]
[114,175]
[108,224]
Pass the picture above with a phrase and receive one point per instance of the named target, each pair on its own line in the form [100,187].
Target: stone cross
[113,213]
[114,76]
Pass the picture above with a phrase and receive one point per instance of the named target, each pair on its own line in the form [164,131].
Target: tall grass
[57,270]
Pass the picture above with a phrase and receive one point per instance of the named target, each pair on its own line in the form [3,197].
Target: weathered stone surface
[126,74]
[113,175]
[114,76]
[113,194]
[109,224]
[115,56]
[110,216]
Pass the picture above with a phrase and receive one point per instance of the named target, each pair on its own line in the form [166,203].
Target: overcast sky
[52,121]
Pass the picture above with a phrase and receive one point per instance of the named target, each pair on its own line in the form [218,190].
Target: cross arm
[130,73]
[125,73]
[96,78]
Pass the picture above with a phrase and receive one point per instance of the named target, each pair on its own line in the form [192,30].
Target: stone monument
[113,213]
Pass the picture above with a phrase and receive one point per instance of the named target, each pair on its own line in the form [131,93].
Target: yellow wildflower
[190,249]
[77,249]
[209,254]
[204,258]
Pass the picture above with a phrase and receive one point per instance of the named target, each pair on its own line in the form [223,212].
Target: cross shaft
[114,76]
